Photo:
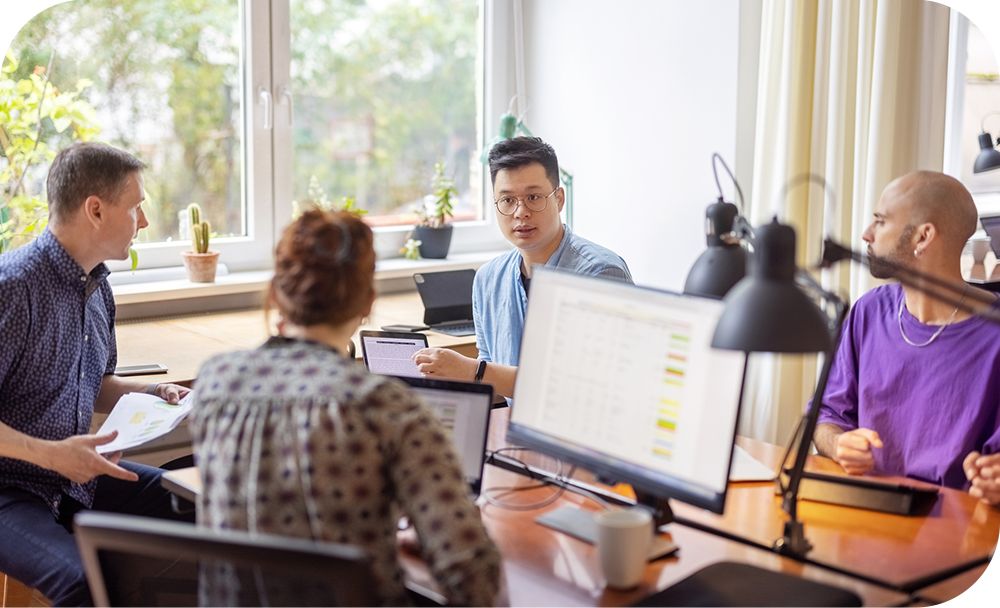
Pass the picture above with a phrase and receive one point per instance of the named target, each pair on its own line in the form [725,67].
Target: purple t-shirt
[932,405]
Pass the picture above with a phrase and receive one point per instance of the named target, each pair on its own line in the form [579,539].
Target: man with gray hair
[913,389]
[57,367]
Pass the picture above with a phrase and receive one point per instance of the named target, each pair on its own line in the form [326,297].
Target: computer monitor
[623,381]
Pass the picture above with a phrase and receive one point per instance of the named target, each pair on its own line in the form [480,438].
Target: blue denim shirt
[499,301]
[57,342]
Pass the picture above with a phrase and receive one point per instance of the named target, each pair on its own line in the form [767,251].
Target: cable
[715,172]
[561,481]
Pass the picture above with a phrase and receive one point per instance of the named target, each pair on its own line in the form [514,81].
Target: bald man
[913,389]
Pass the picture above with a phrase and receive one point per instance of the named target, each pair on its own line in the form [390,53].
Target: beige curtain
[853,91]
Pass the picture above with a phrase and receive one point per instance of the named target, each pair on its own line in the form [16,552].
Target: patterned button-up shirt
[57,342]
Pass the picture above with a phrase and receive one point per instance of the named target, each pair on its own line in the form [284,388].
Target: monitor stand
[580,524]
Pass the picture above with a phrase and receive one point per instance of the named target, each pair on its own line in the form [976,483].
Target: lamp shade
[723,264]
[716,271]
[989,157]
[767,311]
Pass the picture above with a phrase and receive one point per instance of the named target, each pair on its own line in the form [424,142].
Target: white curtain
[853,91]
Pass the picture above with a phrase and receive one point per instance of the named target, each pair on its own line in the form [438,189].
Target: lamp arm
[794,542]
[931,285]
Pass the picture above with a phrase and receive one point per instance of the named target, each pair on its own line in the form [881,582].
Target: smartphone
[404,327]
[140,370]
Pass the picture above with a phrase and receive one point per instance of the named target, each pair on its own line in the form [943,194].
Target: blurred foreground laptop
[447,298]
[464,409]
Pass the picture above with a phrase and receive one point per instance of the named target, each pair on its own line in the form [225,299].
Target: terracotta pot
[201,266]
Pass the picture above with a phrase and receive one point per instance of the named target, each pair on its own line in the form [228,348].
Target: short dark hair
[521,151]
[87,169]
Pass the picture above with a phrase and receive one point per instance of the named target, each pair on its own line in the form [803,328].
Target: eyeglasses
[507,205]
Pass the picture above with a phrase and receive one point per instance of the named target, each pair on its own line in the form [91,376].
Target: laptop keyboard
[456,328]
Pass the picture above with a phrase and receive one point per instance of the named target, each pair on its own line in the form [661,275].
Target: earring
[916,253]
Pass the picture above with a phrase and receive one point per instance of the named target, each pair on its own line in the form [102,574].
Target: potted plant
[200,262]
[433,232]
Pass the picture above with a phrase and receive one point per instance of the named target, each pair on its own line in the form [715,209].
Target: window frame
[958,42]
[268,152]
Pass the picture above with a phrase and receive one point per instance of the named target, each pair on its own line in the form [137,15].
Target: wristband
[151,388]
[481,371]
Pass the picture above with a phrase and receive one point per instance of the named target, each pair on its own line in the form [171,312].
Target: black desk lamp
[724,263]
[989,157]
[770,312]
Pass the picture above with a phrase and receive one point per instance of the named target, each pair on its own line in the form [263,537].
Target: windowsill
[256,281]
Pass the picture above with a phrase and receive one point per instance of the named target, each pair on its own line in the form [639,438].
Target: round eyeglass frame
[519,200]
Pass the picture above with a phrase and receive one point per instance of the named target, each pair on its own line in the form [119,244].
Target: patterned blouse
[294,439]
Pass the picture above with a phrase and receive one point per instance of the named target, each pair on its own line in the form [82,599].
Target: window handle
[265,101]
[288,100]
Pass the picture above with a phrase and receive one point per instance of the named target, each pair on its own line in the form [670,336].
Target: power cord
[561,482]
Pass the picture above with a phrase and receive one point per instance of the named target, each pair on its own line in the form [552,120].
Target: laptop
[991,224]
[464,409]
[447,298]
[389,353]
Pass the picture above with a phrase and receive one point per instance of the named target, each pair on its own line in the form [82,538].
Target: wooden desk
[183,343]
[546,568]
[950,588]
[904,552]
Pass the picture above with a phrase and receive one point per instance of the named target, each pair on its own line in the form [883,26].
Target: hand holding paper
[140,418]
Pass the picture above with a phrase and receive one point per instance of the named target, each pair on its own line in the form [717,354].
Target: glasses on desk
[507,205]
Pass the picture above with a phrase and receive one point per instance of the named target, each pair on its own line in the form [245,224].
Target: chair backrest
[132,560]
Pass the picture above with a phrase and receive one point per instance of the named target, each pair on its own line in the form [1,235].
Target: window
[246,106]
[383,90]
[974,105]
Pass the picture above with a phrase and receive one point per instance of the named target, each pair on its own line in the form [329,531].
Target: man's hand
[76,458]
[854,450]
[446,363]
[171,393]
[984,473]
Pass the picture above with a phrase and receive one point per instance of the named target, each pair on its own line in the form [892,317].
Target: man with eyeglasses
[528,200]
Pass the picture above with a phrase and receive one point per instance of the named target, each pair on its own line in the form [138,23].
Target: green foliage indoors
[444,192]
[37,118]
[201,232]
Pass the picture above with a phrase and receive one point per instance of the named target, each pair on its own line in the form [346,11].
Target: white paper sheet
[748,468]
[140,418]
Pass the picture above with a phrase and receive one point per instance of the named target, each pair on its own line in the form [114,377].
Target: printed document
[140,418]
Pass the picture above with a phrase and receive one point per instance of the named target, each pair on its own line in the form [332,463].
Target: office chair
[140,561]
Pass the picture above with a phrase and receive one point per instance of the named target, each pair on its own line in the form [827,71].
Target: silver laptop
[464,409]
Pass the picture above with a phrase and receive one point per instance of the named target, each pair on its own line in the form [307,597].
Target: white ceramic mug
[623,539]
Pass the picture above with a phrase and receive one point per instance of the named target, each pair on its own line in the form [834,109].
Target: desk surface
[547,568]
[905,552]
[182,343]
[951,588]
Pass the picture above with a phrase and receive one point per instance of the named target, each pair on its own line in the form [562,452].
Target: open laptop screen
[389,353]
[464,409]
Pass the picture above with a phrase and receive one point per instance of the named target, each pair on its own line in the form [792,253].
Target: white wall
[635,95]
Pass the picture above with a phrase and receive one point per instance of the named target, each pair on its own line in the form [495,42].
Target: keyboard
[456,328]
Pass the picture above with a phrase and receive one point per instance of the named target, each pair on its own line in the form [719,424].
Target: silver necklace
[899,322]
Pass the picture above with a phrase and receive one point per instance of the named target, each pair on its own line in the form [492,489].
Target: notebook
[389,352]
[447,298]
[464,409]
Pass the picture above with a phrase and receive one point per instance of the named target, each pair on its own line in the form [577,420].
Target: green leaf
[133,255]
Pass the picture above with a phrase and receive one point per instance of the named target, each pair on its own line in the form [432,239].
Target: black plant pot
[434,242]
